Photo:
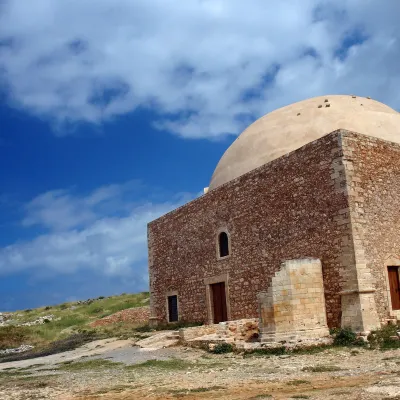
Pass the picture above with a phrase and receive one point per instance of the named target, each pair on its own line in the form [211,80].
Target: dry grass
[72,324]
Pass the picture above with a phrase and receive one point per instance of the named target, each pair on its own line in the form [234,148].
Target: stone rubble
[41,320]
[130,315]
[5,318]
[20,349]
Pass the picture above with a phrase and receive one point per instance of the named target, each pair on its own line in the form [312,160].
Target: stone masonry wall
[374,198]
[293,308]
[293,207]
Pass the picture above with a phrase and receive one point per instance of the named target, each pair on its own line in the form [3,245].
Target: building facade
[330,196]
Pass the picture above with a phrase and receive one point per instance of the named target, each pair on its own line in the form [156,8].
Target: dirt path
[122,373]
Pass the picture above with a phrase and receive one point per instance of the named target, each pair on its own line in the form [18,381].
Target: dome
[291,127]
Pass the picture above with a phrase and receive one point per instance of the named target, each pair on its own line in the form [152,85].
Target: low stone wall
[230,331]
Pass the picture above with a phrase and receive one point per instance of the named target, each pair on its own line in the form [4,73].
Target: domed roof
[293,126]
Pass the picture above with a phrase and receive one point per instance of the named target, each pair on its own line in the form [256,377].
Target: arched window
[223,240]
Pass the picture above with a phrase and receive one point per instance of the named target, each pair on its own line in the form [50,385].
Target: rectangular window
[173,308]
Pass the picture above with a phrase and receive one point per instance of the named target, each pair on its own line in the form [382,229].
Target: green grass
[174,364]
[11,374]
[73,318]
[95,364]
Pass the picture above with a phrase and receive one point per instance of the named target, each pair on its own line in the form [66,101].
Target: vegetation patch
[346,337]
[12,336]
[173,364]
[59,346]
[385,338]
[322,368]
[297,382]
[265,351]
[95,364]
[11,374]
[261,397]
[300,396]
[222,348]
[68,319]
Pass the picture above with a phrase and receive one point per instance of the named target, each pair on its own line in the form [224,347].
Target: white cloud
[193,61]
[80,237]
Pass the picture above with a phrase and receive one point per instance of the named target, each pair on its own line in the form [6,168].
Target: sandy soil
[194,374]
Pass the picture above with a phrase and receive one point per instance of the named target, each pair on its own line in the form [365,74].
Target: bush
[346,337]
[222,348]
[385,338]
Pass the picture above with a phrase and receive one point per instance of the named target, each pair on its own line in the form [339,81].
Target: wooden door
[219,302]
[394,284]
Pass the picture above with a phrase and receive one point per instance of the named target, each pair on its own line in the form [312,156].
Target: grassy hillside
[70,320]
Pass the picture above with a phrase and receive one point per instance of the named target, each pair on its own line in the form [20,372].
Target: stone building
[300,225]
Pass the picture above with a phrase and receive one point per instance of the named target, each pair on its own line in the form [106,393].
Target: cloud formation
[79,236]
[206,67]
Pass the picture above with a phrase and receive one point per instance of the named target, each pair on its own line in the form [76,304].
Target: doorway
[219,302]
[173,308]
[394,284]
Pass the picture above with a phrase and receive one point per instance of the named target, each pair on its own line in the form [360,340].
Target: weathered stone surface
[293,308]
[374,186]
[238,330]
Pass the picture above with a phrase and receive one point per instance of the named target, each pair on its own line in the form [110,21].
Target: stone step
[173,335]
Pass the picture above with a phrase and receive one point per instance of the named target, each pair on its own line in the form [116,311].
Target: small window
[173,308]
[223,244]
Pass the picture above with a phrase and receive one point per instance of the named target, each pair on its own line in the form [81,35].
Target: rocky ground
[117,369]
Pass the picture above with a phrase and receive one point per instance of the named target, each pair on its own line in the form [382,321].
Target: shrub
[385,338]
[346,337]
[222,348]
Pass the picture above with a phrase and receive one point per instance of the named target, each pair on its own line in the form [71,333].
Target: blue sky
[111,115]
